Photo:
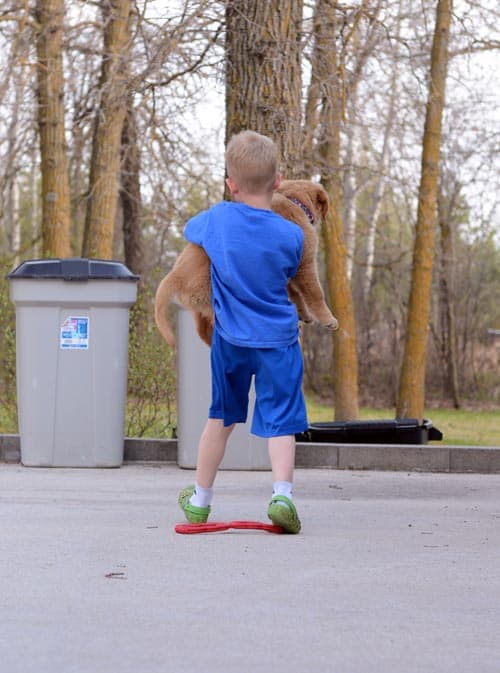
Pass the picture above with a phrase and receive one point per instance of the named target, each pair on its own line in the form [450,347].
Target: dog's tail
[164,295]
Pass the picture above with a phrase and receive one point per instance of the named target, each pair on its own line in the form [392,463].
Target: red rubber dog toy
[215,527]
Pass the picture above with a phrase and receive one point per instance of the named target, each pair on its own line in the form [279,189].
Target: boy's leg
[281,510]
[195,500]
[282,456]
[211,451]
[280,406]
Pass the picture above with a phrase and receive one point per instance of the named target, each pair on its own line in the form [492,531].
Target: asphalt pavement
[393,572]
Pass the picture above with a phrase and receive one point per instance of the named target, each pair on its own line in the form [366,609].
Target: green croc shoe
[284,515]
[193,514]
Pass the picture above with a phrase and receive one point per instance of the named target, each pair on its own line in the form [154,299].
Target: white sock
[283,488]
[202,497]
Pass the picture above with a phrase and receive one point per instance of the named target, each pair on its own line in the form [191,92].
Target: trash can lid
[76,268]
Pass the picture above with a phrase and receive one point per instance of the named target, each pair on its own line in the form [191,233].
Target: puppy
[300,201]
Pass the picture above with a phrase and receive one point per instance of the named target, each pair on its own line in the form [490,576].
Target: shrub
[151,373]
[8,397]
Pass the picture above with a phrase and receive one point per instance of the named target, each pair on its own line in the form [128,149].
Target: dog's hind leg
[295,296]
[312,294]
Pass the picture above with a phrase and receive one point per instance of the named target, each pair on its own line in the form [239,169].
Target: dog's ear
[322,201]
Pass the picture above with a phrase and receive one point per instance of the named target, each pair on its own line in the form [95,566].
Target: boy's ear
[232,186]
[277,182]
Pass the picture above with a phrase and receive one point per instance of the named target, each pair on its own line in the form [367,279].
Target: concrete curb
[390,457]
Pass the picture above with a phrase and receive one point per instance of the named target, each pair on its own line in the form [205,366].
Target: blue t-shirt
[253,253]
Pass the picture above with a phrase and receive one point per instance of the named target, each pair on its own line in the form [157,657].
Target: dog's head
[311,194]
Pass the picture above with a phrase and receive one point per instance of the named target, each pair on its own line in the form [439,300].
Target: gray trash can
[72,320]
[244,450]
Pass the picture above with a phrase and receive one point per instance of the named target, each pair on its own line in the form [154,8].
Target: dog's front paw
[332,325]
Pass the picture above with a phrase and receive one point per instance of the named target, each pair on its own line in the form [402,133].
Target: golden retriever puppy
[300,201]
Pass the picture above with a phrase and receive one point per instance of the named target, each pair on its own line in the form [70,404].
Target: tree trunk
[130,194]
[311,123]
[326,70]
[375,206]
[34,201]
[105,161]
[381,171]
[447,299]
[263,74]
[411,399]
[15,221]
[349,187]
[54,161]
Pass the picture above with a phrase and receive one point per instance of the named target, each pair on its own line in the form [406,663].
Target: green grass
[459,427]
[8,420]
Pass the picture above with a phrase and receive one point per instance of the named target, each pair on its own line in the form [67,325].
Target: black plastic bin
[395,431]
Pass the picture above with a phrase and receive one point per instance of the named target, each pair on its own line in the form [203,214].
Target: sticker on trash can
[75,333]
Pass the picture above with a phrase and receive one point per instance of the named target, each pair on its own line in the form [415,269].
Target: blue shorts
[279,406]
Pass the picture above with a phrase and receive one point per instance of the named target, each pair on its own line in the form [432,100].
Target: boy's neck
[262,201]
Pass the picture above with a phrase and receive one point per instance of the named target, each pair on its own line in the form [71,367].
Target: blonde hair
[252,162]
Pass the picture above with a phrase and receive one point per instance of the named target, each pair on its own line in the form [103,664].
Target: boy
[253,252]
